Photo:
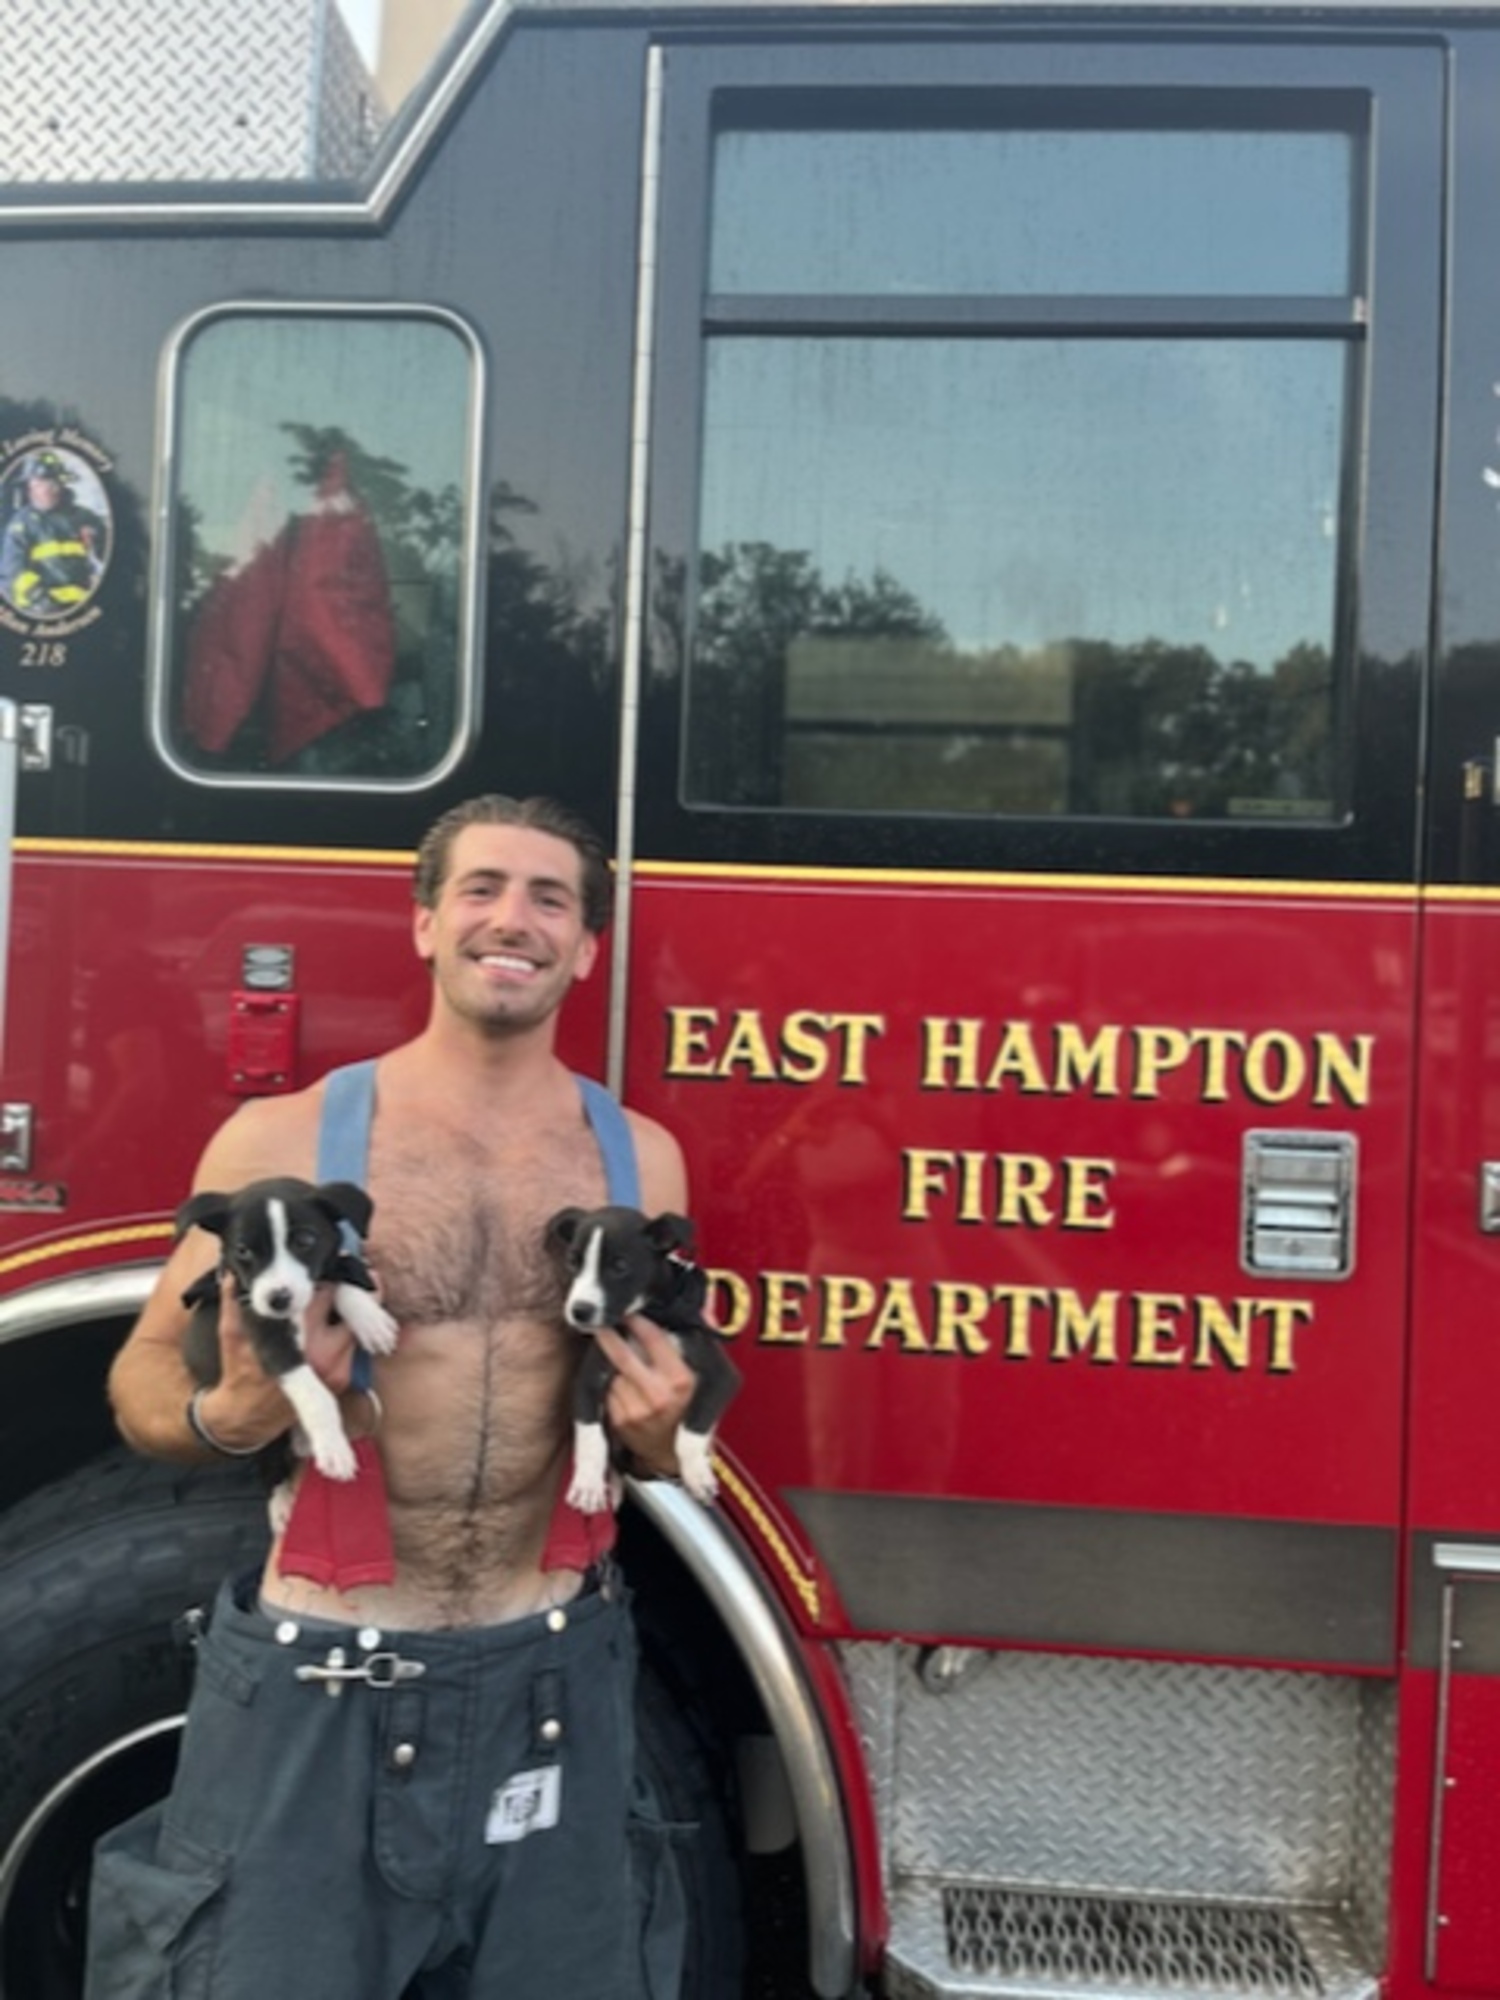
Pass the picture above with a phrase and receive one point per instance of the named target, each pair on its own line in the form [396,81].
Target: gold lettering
[731,1302]
[687,1039]
[1157,1049]
[782,1324]
[858,1030]
[1024,1179]
[1018,1301]
[1216,1044]
[747,1047]
[898,1314]
[1217,1329]
[1086,1190]
[1017,1057]
[971,1186]
[923,1174]
[1289,1059]
[800,1044]
[1284,1315]
[1154,1326]
[1078,1063]
[950,1045]
[961,1309]
[1346,1064]
[1076,1327]
[844,1299]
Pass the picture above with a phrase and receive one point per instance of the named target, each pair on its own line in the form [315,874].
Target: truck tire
[94,1572]
[94,1575]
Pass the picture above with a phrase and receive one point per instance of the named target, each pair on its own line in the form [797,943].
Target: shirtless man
[420,1787]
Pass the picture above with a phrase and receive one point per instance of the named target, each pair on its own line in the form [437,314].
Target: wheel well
[54,1414]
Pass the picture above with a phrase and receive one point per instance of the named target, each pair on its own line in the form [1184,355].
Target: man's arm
[149,1384]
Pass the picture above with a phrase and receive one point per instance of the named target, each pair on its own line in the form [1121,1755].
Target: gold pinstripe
[1192,886]
[99,1239]
[805,1586]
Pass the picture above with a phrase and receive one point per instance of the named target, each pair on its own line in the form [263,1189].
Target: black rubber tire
[94,1574]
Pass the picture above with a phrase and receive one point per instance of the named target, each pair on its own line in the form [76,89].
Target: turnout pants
[364,1815]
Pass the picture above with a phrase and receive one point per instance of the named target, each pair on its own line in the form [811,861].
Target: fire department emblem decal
[56,534]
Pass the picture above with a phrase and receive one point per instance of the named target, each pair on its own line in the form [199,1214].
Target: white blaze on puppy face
[585,1304]
[611,1280]
[284,1287]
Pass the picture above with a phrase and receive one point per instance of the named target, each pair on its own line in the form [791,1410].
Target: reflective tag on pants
[527,1803]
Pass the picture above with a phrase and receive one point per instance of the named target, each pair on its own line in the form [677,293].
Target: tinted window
[320,568]
[1024,479]
[1031,212]
[1033,576]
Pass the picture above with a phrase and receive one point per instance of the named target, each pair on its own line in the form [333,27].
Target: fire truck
[995,511]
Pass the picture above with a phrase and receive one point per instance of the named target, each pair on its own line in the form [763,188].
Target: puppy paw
[589,1489]
[367,1319]
[695,1463]
[588,1496]
[334,1457]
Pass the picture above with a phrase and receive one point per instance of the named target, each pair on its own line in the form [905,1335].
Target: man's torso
[473,1429]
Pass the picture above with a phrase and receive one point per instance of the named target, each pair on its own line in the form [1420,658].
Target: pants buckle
[380,1670]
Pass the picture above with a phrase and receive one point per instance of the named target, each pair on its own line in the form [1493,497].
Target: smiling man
[467,1796]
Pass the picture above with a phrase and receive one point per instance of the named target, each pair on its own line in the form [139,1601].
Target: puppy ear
[345,1202]
[204,1211]
[563,1227]
[670,1232]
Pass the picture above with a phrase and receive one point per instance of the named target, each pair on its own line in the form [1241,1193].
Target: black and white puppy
[614,1262]
[282,1239]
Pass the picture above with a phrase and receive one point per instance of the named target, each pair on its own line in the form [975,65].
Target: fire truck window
[1023,481]
[1031,212]
[320,562]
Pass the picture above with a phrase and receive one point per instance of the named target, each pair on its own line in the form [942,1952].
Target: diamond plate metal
[962,1943]
[1123,1941]
[1130,1776]
[97,92]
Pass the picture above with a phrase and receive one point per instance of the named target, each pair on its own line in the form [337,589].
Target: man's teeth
[506,963]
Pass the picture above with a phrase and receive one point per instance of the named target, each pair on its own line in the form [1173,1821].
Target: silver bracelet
[198,1425]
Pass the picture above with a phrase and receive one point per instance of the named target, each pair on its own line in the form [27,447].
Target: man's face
[45,492]
[506,937]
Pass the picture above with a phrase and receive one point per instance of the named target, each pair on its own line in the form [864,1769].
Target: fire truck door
[1454,1492]
[1028,825]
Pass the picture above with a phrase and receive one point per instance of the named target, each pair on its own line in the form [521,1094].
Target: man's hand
[649,1395]
[245,1408]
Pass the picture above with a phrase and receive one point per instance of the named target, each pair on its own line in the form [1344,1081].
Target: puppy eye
[244,1256]
[302,1240]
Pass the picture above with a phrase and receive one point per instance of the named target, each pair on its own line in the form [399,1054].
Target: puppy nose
[583,1314]
[279,1301]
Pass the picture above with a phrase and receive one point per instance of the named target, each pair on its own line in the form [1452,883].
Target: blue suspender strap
[344,1133]
[349,1110]
[616,1146]
[344,1155]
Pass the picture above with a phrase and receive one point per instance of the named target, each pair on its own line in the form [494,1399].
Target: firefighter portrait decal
[56,533]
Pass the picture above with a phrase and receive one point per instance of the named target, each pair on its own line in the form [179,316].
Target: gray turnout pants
[461,1818]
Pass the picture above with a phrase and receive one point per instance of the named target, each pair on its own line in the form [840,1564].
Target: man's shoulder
[265,1138]
[659,1158]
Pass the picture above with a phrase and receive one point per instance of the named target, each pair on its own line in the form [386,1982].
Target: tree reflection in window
[851,697]
[321,565]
